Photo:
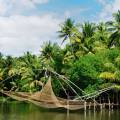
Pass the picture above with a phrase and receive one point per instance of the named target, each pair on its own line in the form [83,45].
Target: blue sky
[76,9]
[79,6]
[26,24]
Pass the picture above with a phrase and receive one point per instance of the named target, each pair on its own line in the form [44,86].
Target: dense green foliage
[90,59]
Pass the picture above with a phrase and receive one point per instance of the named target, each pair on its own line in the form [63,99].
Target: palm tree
[47,53]
[88,31]
[101,37]
[115,29]
[69,31]
[102,33]
[52,56]
[7,66]
[29,66]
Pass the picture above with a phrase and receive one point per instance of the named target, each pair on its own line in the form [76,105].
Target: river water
[24,111]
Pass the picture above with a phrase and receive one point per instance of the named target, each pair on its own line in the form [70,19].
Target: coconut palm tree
[29,66]
[52,56]
[102,33]
[115,30]
[69,31]
[101,37]
[88,31]
[7,66]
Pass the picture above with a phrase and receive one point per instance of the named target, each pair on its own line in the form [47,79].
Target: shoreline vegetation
[90,59]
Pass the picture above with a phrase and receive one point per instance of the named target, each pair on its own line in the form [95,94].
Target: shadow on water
[24,111]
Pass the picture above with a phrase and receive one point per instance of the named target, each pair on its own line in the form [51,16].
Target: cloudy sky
[26,24]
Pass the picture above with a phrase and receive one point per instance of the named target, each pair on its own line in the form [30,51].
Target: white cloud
[26,33]
[3,7]
[10,7]
[109,7]
[102,1]
[39,1]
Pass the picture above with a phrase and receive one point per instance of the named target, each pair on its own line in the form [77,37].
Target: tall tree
[115,29]
[101,37]
[88,31]
[69,31]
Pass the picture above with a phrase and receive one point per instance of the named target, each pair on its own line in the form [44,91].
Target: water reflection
[24,111]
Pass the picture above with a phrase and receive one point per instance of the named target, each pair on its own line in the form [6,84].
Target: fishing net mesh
[46,98]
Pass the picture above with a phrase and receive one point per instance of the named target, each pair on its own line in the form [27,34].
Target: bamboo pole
[94,104]
[103,102]
[101,107]
[89,105]
[112,105]
[109,103]
[68,111]
[85,107]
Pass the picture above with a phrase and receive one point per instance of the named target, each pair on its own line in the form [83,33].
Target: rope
[69,85]
[64,78]
[63,88]
[60,76]
[96,92]
[8,78]
[102,91]
[72,89]
[67,81]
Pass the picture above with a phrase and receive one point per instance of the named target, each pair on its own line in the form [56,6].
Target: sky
[25,25]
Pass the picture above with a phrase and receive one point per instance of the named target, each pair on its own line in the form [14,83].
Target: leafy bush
[86,70]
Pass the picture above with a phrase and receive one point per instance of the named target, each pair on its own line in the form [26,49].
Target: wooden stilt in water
[89,105]
[94,104]
[85,107]
[85,115]
[68,111]
[109,114]
[109,103]
[101,107]
[100,104]
[103,103]
[112,105]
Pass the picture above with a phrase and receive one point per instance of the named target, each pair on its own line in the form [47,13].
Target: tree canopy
[90,59]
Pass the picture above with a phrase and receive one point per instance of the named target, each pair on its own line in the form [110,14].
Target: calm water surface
[24,111]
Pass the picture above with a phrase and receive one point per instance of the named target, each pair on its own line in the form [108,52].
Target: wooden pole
[103,102]
[85,107]
[101,107]
[85,115]
[68,111]
[89,105]
[100,104]
[94,104]
[112,105]
[109,103]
